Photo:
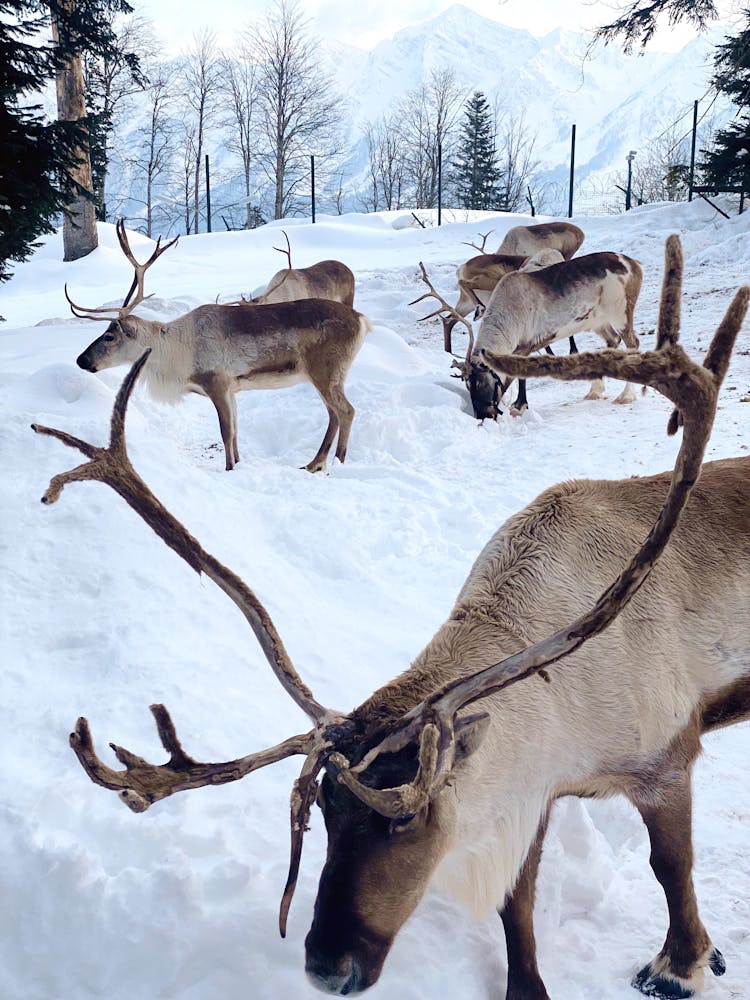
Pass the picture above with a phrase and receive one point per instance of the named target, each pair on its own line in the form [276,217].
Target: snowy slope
[358,568]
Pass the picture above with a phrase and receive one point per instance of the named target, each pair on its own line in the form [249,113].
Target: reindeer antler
[444,307]
[484,237]
[694,391]
[140,271]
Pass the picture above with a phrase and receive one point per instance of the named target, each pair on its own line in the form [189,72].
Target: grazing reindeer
[528,240]
[219,350]
[530,311]
[477,279]
[419,779]
[328,279]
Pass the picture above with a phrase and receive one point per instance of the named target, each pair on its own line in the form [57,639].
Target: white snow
[357,568]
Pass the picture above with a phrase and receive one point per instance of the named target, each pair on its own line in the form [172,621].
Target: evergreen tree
[728,163]
[476,176]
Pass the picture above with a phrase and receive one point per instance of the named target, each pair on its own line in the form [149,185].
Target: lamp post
[631,157]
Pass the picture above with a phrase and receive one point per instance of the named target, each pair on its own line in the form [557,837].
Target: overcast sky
[365,22]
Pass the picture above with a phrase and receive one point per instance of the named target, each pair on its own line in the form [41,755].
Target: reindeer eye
[109,337]
[401,824]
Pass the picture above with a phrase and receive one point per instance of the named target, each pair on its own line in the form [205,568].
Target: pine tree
[728,163]
[476,176]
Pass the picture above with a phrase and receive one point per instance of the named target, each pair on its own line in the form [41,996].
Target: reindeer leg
[448,323]
[628,394]
[521,403]
[524,981]
[226,409]
[235,445]
[345,412]
[318,463]
[677,971]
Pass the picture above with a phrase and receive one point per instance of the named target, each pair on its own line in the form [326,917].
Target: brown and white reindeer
[328,279]
[219,350]
[529,311]
[528,240]
[451,770]
[477,278]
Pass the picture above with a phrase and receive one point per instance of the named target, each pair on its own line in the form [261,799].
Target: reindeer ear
[470,732]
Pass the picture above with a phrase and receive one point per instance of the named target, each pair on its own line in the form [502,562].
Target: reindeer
[528,240]
[328,279]
[220,350]
[451,770]
[529,311]
[477,279]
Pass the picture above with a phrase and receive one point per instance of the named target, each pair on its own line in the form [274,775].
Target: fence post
[312,185]
[692,151]
[208,197]
[572,170]
[440,182]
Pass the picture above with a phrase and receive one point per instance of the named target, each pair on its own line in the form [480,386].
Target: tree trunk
[79,221]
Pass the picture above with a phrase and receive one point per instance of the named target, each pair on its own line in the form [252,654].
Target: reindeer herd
[552,675]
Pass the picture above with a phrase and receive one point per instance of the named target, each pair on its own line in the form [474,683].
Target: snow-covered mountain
[617,101]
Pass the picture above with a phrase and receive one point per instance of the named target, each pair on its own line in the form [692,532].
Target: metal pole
[630,184]
[440,182]
[572,170]
[312,185]
[208,197]
[692,151]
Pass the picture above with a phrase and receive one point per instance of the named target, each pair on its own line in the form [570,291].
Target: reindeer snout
[85,362]
[341,978]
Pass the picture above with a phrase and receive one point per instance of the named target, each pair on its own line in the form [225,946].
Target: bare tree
[387,158]
[428,117]
[515,156]
[201,72]
[300,109]
[154,147]
[111,80]
[240,93]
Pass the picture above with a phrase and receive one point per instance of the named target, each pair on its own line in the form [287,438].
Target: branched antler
[141,783]
[106,312]
[485,237]
[444,307]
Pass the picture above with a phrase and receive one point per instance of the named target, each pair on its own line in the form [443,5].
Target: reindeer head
[120,343]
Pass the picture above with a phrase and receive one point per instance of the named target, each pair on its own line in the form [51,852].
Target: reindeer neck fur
[586,732]
[167,374]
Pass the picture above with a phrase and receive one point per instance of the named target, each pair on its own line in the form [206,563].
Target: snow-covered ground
[358,568]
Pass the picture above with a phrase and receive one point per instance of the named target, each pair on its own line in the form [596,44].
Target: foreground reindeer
[528,240]
[328,279]
[530,311]
[219,350]
[417,781]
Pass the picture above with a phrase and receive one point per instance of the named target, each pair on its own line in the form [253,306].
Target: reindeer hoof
[516,411]
[652,984]
[716,963]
